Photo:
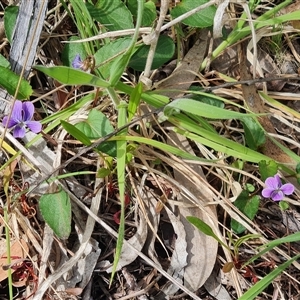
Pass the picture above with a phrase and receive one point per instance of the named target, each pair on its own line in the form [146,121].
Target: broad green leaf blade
[263,283]
[96,126]
[9,81]
[205,98]
[105,54]
[202,19]
[248,206]
[163,53]
[56,211]
[219,143]
[254,134]
[76,133]
[200,109]
[72,76]
[10,18]
[267,169]
[159,145]
[71,50]
[114,15]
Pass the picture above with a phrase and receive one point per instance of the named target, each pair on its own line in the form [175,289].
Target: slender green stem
[113,96]
[239,32]
[10,290]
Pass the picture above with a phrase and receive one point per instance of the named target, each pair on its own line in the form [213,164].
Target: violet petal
[273,182]
[34,126]
[19,131]
[267,192]
[17,110]
[28,109]
[277,195]
[288,189]
[77,62]
[9,123]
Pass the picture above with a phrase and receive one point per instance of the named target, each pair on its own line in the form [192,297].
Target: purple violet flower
[77,63]
[21,118]
[276,190]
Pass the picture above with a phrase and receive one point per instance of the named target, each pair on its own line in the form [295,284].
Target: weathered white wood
[26,36]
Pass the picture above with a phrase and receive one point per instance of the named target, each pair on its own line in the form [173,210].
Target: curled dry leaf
[214,286]
[179,256]
[154,219]
[201,249]
[74,291]
[18,252]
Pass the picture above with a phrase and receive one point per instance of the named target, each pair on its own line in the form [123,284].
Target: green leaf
[71,50]
[149,13]
[164,52]
[4,62]
[248,206]
[114,15]
[215,140]
[200,109]
[208,100]
[56,211]
[72,76]
[96,126]
[202,19]
[267,169]
[76,133]
[284,205]
[250,187]
[103,172]
[108,51]
[9,81]
[10,18]
[254,134]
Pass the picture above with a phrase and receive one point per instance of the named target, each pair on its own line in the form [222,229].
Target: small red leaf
[116,217]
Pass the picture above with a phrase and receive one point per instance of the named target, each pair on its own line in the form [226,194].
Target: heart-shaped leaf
[202,19]
[97,126]
[10,18]
[108,51]
[163,53]
[56,211]
[113,14]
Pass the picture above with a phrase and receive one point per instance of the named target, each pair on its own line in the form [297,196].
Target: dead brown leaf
[18,252]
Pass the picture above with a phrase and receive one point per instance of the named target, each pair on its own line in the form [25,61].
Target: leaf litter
[163,189]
